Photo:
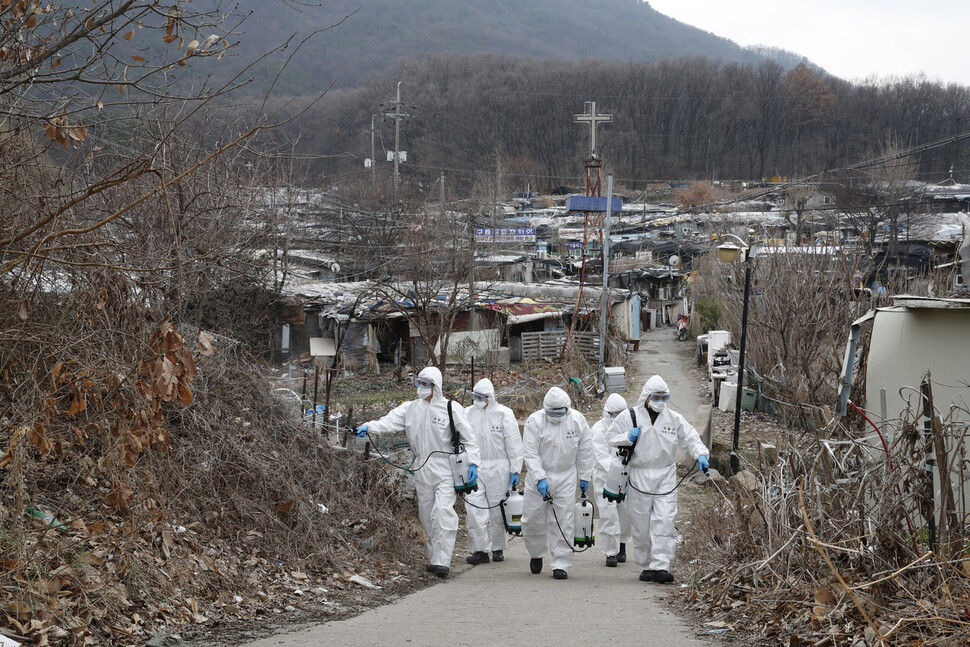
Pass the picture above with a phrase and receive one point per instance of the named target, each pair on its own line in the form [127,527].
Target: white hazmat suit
[500,447]
[614,525]
[653,469]
[560,451]
[429,434]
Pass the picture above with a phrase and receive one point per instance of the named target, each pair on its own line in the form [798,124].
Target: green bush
[708,314]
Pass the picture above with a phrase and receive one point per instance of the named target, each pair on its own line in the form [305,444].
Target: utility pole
[605,300]
[471,255]
[397,139]
[373,160]
[397,116]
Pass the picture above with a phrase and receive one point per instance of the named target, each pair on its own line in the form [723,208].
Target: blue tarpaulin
[589,203]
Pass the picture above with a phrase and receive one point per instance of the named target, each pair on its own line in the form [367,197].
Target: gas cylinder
[614,489]
[583,522]
[512,512]
[459,472]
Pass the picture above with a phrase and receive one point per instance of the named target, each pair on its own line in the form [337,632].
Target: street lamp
[728,253]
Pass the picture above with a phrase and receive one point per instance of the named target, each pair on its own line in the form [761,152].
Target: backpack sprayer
[618,476]
[459,461]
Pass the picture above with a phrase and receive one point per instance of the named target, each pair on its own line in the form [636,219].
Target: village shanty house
[371,324]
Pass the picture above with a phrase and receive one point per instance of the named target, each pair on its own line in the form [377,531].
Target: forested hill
[375,34]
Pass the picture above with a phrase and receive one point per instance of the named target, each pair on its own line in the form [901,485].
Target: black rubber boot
[497,556]
[611,561]
[440,571]
[535,565]
[647,576]
[476,558]
[621,556]
[663,577]
[560,574]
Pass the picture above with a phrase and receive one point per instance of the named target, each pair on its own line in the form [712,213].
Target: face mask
[480,404]
[657,405]
[614,414]
[424,391]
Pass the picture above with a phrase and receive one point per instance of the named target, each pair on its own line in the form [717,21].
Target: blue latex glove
[583,486]
[361,431]
[702,463]
[472,473]
[543,487]
[634,434]
[513,479]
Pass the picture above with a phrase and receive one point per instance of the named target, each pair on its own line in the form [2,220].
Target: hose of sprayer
[508,493]
[565,538]
[409,469]
[671,491]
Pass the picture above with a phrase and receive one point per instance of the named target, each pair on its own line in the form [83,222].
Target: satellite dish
[335,267]
[674,262]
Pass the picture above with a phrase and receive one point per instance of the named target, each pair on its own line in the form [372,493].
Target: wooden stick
[835,571]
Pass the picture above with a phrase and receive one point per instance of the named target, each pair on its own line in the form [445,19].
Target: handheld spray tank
[583,522]
[512,511]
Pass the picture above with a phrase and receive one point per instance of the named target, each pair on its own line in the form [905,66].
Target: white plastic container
[583,523]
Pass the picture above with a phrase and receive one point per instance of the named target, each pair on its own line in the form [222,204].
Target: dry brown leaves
[176,492]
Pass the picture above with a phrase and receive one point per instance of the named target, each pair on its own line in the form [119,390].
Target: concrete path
[504,604]
[661,353]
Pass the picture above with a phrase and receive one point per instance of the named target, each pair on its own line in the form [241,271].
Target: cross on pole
[592,119]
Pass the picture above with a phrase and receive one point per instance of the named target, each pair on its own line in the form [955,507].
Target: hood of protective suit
[433,374]
[485,387]
[655,384]
[614,404]
[556,398]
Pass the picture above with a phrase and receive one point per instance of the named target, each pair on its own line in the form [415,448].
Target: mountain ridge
[374,35]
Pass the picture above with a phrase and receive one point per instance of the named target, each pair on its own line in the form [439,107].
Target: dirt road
[504,603]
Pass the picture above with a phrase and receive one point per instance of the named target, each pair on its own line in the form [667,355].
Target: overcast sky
[852,39]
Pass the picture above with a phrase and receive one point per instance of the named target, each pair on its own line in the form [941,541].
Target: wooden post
[350,424]
[316,383]
[326,404]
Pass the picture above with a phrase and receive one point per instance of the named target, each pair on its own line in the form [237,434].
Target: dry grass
[829,545]
[176,481]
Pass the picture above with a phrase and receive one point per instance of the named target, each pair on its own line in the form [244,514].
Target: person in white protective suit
[558,450]
[500,448]
[614,526]
[425,421]
[651,499]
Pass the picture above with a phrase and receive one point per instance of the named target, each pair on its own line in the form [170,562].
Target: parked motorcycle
[682,325]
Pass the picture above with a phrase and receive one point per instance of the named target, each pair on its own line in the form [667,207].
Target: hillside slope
[375,34]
